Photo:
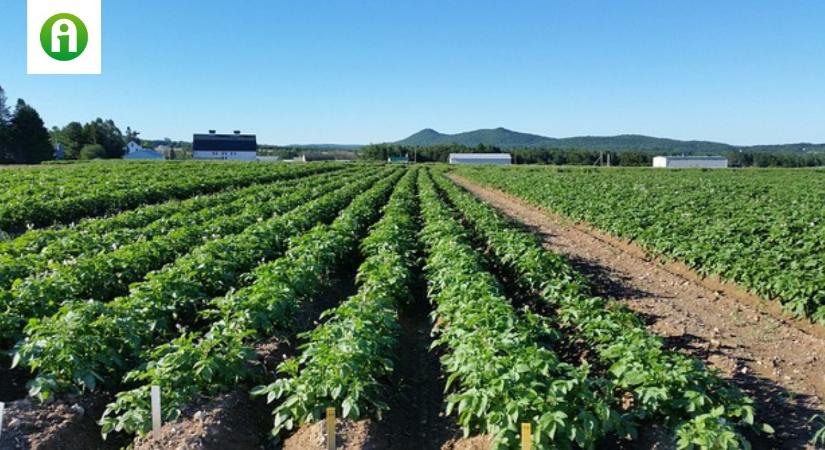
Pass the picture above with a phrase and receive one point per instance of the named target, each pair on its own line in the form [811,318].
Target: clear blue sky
[742,72]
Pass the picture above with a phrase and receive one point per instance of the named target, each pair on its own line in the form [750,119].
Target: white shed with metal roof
[690,162]
[481,158]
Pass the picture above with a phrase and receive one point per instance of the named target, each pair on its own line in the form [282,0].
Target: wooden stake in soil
[331,429]
[156,411]
[526,436]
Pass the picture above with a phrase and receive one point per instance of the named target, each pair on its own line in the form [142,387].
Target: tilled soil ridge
[232,421]
[65,424]
[778,361]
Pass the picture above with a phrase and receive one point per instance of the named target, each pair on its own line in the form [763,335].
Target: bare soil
[779,361]
[470,443]
[59,425]
[232,421]
[349,435]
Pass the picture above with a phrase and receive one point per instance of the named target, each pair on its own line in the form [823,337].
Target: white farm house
[690,162]
[135,151]
[481,158]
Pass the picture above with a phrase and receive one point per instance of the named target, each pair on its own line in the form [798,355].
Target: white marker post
[2,409]
[156,411]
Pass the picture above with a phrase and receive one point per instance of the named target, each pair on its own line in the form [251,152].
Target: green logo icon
[64,37]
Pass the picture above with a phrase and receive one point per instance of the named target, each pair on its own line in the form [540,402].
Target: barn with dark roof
[225,147]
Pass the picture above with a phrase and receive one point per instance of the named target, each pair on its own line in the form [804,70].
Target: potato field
[762,229]
[257,296]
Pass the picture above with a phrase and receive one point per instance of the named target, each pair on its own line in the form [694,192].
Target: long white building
[690,162]
[481,158]
[225,147]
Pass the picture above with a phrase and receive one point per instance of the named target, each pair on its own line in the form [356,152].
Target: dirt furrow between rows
[415,396]
[778,361]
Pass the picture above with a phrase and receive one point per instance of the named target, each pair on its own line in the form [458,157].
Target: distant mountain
[500,137]
[508,139]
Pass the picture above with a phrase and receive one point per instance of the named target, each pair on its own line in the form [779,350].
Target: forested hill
[508,139]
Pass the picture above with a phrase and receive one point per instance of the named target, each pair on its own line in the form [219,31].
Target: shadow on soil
[12,382]
[605,283]
[415,420]
[602,281]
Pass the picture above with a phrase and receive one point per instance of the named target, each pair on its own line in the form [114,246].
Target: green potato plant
[196,364]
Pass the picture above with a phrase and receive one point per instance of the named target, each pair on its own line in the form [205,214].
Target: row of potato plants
[38,246]
[40,239]
[66,182]
[702,409]
[345,362]
[198,364]
[85,343]
[34,180]
[30,179]
[59,201]
[76,244]
[500,369]
[761,229]
[103,276]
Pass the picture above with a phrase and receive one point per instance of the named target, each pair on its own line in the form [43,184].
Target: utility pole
[599,161]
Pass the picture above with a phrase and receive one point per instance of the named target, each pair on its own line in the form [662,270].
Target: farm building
[136,152]
[399,159]
[481,158]
[231,147]
[690,162]
[311,157]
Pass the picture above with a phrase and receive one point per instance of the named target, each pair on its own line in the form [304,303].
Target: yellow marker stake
[330,428]
[526,437]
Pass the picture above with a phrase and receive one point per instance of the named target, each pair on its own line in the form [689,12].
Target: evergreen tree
[4,128]
[29,140]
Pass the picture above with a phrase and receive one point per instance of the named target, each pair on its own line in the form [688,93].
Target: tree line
[294,152]
[765,159]
[23,135]
[98,139]
[584,157]
[554,156]
[24,138]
